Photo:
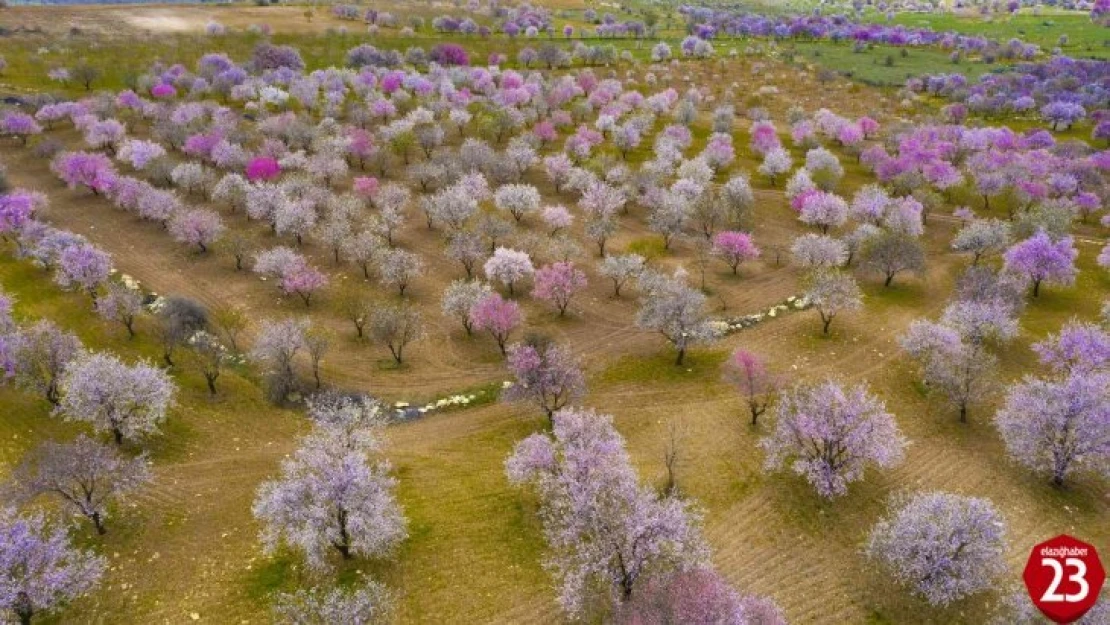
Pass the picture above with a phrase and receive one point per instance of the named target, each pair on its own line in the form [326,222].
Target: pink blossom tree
[830,435]
[497,316]
[19,125]
[558,283]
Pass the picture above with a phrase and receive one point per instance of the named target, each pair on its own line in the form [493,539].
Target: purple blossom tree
[830,435]
[130,401]
[19,125]
[604,531]
[1059,426]
[86,475]
[83,266]
[40,569]
[558,283]
[757,386]
[545,374]
[1078,348]
[497,316]
[91,170]
[1041,260]
[944,547]
[697,595]
[331,496]
[734,248]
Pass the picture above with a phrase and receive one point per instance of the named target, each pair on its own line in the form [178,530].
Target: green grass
[700,365]
[1085,38]
[870,66]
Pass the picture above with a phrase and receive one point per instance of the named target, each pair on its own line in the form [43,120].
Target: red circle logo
[1064,577]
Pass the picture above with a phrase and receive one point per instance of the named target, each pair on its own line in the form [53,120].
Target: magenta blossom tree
[605,533]
[556,284]
[830,434]
[1041,260]
[497,316]
[40,569]
[130,401]
[734,248]
[262,169]
[85,169]
[944,547]
[545,374]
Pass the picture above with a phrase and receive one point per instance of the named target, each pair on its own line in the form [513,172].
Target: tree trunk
[1036,288]
[889,279]
[99,523]
[117,435]
[681,357]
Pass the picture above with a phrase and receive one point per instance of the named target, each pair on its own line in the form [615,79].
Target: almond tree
[605,533]
[670,307]
[943,546]
[1061,425]
[40,569]
[331,496]
[84,474]
[1041,260]
[396,327]
[558,283]
[460,297]
[498,316]
[39,356]
[831,292]
[757,386]
[734,248]
[621,268]
[830,435]
[122,304]
[545,374]
[508,267]
[365,603]
[130,401]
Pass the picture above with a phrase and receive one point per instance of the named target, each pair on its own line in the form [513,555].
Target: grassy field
[1084,37]
[188,548]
